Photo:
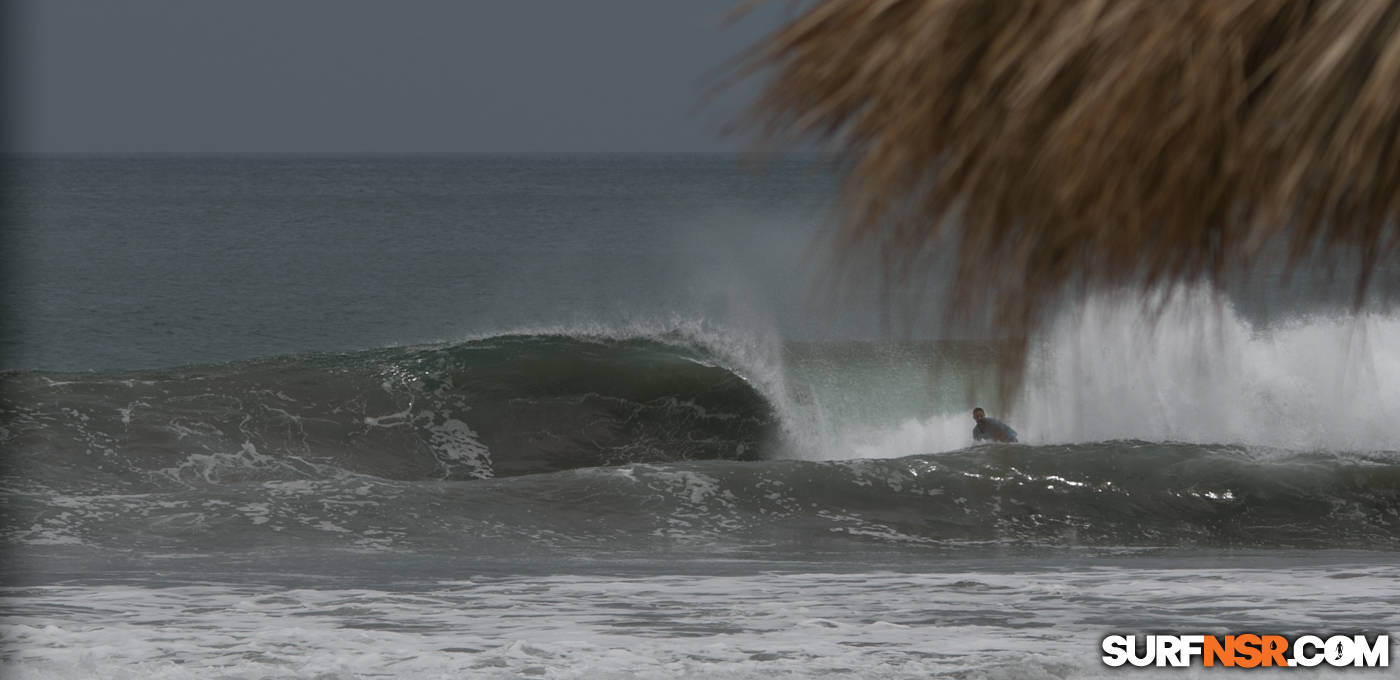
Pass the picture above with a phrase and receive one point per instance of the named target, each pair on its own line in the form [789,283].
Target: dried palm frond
[1069,145]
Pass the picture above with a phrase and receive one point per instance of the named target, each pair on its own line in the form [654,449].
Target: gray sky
[382,75]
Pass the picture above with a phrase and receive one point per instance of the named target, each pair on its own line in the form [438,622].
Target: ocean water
[594,416]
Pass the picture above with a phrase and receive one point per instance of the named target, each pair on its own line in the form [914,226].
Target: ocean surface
[610,416]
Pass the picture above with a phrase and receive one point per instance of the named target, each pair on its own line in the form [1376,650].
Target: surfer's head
[978,414]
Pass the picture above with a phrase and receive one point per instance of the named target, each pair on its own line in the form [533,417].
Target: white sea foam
[980,622]
[455,443]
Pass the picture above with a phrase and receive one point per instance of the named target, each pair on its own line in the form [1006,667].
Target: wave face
[501,406]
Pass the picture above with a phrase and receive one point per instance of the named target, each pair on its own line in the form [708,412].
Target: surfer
[990,428]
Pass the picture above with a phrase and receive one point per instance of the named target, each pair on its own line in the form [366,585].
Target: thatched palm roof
[1096,143]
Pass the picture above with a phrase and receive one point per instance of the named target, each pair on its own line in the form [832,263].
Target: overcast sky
[381,75]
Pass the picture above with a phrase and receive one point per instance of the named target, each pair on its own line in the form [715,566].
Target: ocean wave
[601,441]
[499,406]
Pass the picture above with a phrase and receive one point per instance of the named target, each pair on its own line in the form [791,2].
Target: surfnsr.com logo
[1247,651]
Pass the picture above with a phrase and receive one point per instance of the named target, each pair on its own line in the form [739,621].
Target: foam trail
[1201,374]
[938,434]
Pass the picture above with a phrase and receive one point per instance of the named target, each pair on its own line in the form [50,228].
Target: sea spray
[1190,370]
[1198,372]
